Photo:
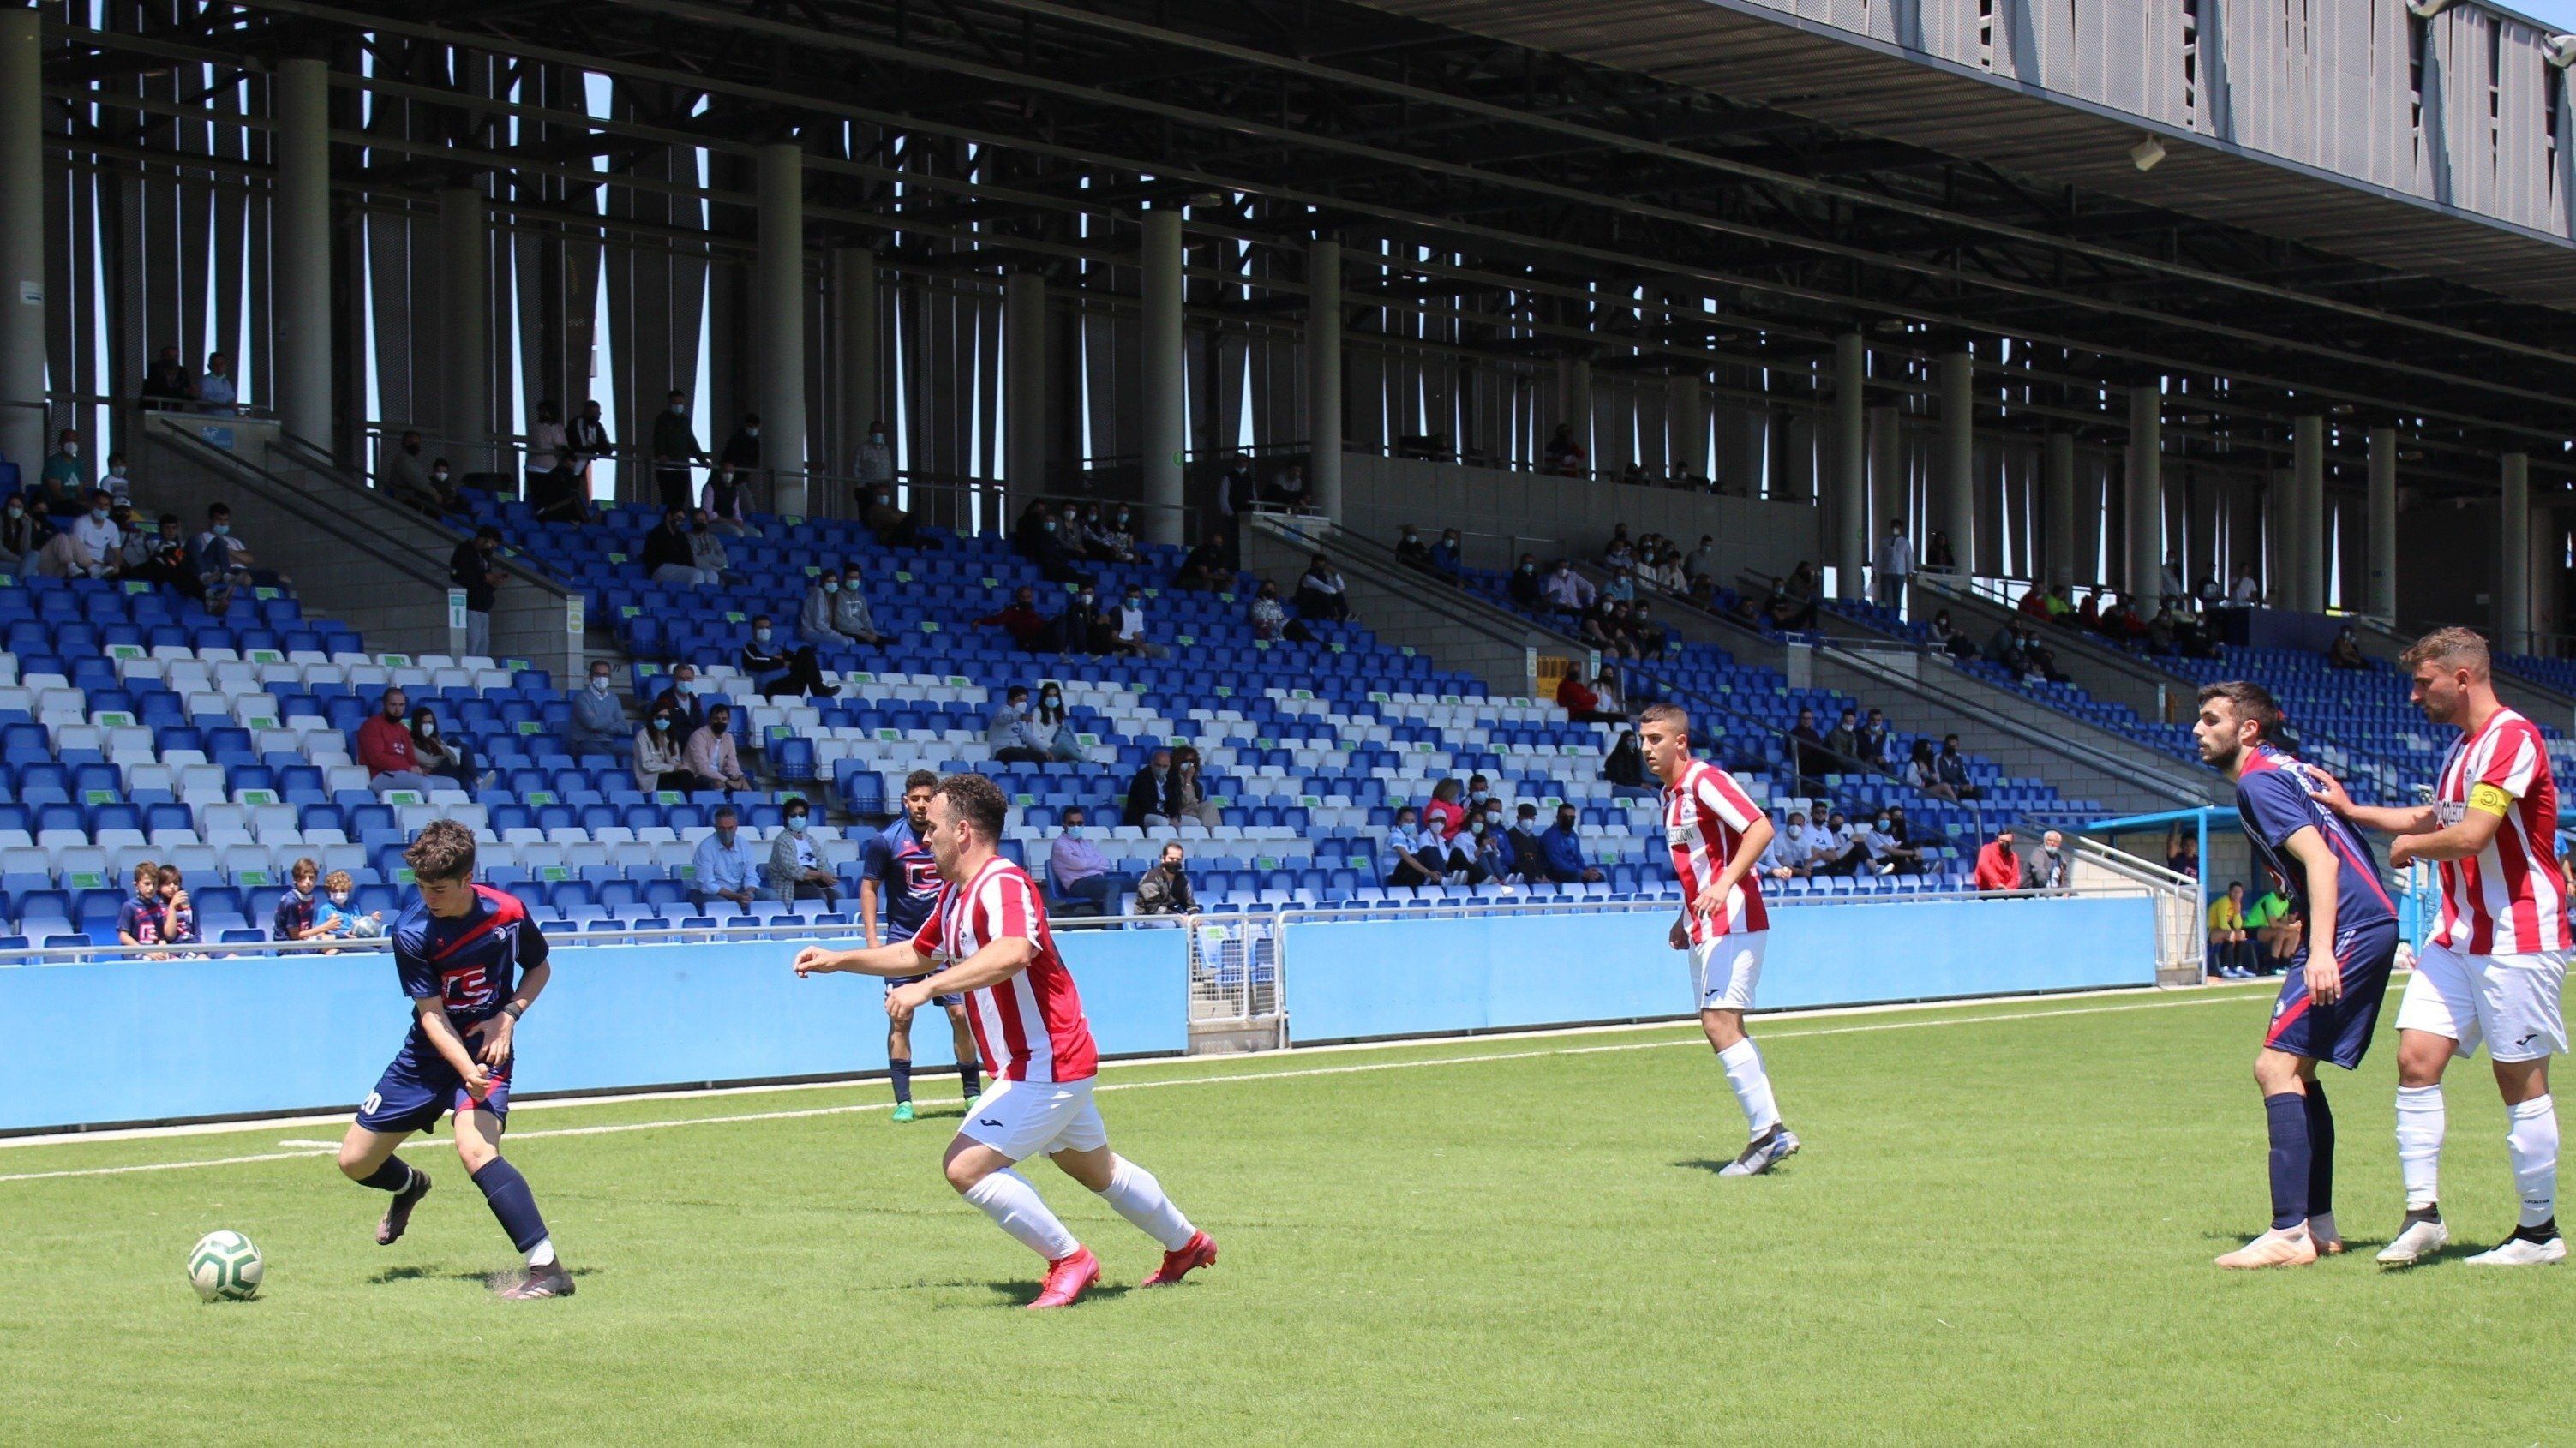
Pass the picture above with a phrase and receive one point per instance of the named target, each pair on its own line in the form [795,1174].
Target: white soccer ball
[225,1267]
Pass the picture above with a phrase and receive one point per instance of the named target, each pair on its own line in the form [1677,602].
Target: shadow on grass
[1023,1292]
[393,1275]
[1713,1166]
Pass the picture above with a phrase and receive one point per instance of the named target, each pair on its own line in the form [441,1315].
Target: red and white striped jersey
[1705,817]
[1030,1027]
[2510,899]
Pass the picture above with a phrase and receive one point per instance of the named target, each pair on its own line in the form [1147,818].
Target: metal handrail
[1322,534]
[314,461]
[243,470]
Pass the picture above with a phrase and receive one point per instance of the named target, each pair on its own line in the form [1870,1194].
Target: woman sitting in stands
[448,758]
[660,752]
[1184,798]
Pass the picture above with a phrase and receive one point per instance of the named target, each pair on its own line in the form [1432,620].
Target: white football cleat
[2521,1251]
[2279,1247]
[2419,1241]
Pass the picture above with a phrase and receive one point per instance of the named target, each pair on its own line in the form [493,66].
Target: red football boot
[1067,1278]
[1199,1251]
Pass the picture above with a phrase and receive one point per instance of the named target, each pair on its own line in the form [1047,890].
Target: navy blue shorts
[952,999]
[420,1087]
[2340,1032]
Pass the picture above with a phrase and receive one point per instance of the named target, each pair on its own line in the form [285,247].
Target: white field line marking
[616,1128]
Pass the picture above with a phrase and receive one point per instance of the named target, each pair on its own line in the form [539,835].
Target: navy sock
[971,1078]
[901,1071]
[2290,1158]
[2320,1151]
[393,1176]
[512,1202]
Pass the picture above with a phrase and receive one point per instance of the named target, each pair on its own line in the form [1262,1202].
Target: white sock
[1139,1198]
[1016,1207]
[2532,1141]
[542,1254]
[2420,1121]
[1752,1085]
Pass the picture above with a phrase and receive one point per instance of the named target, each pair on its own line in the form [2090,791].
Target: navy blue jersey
[294,916]
[907,878]
[471,961]
[2276,798]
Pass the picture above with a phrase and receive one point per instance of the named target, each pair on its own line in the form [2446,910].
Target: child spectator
[294,919]
[178,912]
[138,921]
[334,918]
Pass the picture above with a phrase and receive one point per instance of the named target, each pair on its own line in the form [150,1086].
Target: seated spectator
[297,913]
[1322,596]
[1208,568]
[1145,791]
[1528,847]
[1083,628]
[1489,852]
[1012,734]
[1449,556]
[2089,617]
[668,558]
[138,920]
[1954,640]
[101,542]
[1525,588]
[796,870]
[22,533]
[1049,722]
[224,563]
[2345,651]
[1842,847]
[1564,849]
[1184,796]
[894,527]
[598,715]
[1952,768]
[2051,867]
[712,760]
[1270,618]
[1411,551]
[1874,736]
[1030,630]
[1444,811]
[1076,870]
[1792,602]
[1115,535]
[1029,533]
[1126,628]
[2276,926]
[1568,594]
[1562,455]
[179,913]
[561,493]
[814,615]
[1619,586]
[403,475]
[1421,853]
[385,747]
[1599,629]
[447,758]
[1889,853]
[775,669]
[725,868]
[2034,603]
[683,699]
[851,616]
[115,482]
[707,550]
[1058,554]
[1165,889]
[1998,868]
[2230,948]
[1808,754]
[1844,740]
[1286,489]
[2192,638]
[2182,851]
[662,753]
[2160,631]
[1790,855]
[725,503]
[2122,623]
[1924,773]
[1645,633]
[2003,650]
[337,919]
[1575,697]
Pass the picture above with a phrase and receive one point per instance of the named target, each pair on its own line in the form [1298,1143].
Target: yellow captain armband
[2492,799]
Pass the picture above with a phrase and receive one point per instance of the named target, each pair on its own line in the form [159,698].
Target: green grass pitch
[2000,1231]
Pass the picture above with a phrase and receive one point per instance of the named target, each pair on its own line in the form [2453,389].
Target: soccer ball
[225,1267]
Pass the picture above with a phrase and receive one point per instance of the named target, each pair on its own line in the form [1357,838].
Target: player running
[1717,834]
[895,866]
[988,938]
[2330,998]
[2497,960]
[472,962]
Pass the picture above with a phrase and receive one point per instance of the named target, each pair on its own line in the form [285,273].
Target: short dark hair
[488,531]
[2250,701]
[219,510]
[920,779]
[443,851]
[1673,714]
[979,801]
[727,812]
[795,801]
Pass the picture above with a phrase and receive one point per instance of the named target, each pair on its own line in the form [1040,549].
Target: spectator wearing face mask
[776,669]
[598,717]
[1032,631]
[476,568]
[1998,867]
[1270,618]
[1049,723]
[662,753]
[796,870]
[1012,734]
[836,614]
[675,449]
[685,698]
[1054,551]
[1564,850]
[874,461]
[65,479]
[707,550]
[1165,889]
[1889,854]
[668,557]
[1321,594]
[404,475]
[1116,535]
[1207,568]
[712,757]
[1127,628]
[1528,845]
[333,915]
[725,502]
[1448,556]
[100,544]
[1411,551]
[447,758]
[724,867]
[1419,851]
[1443,811]
[1082,628]
[1525,587]
[1145,790]
[1076,870]
[1491,853]
[1184,795]
[1791,853]
[22,535]
[224,562]
[894,527]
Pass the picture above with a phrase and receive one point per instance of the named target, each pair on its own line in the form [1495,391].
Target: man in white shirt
[1895,565]
[2247,593]
[1791,854]
[101,542]
[1567,591]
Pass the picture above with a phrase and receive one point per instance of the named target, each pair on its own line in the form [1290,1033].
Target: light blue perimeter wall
[162,1040]
[1416,977]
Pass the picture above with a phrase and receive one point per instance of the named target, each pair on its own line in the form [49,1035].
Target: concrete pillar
[1577,378]
[1955,475]
[1794,472]
[464,255]
[2145,493]
[300,237]
[2381,600]
[1850,452]
[779,276]
[22,245]
[1686,419]
[2280,522]
[2057,509]
[1166,420]
[854,343]
[1024,386]
[2513,558]
[1888,493]
[2308,528]
[1324,377]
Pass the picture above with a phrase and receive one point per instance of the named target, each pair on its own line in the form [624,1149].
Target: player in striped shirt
[1717,835]
[988,939]
[2497,960]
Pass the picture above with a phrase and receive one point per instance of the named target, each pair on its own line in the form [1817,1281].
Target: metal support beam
[464,254]
[1324,376]
[2382,599]
[780,277]
[1162,373]
[2513,558]
[22,243]
[1850,464]
[2145,494]
[300,230]
[1955,478]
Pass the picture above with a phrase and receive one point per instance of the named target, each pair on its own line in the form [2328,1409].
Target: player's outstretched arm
[2325,877]
[2406,821]
[2467,839]
[992,965]
[896,959]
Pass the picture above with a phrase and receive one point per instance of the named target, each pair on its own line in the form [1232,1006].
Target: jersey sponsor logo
[1681,837]
[468,989]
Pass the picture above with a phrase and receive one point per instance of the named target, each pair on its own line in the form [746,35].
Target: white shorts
[1724,971]
[2510,1002]
[1022,1119]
